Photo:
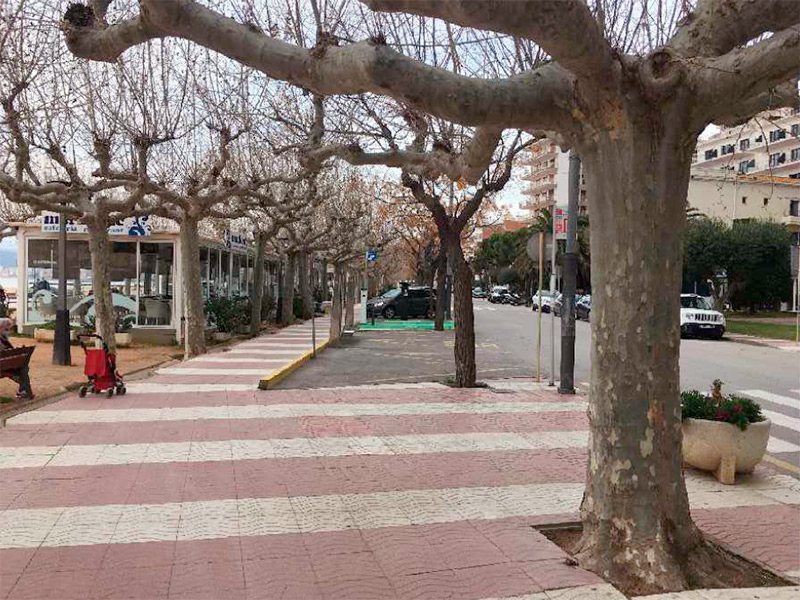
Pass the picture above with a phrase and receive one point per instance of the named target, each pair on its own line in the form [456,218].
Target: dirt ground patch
[48,379]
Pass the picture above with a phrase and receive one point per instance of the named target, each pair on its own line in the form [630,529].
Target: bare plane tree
[632,101]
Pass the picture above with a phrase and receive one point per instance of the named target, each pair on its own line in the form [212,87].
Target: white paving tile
[761,593]
[186,388]
[277,411]
[207,371]
[776,446]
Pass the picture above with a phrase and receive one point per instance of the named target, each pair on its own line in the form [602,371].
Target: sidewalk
[785,345]
[402,491]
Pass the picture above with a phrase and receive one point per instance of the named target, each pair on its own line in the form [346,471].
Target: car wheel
[82,391]
[431,313]
[389,313]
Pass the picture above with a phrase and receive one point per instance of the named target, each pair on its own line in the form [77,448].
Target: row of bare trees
[628,84]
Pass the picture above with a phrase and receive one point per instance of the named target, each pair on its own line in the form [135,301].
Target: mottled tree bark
[336,306]
[466,370]
[105,323]
[257,293]
[195,323]
[287,309]
[305,285]
[441,279]
[635,510]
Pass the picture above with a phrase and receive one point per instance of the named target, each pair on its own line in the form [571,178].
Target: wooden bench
[12,359]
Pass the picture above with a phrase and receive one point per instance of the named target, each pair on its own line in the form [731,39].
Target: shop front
[145,274]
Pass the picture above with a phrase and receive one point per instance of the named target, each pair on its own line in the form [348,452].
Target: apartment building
[547,174]
[767,145]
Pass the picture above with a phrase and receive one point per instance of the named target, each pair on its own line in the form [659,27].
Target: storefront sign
[235,240]
[560,223]
[130,226]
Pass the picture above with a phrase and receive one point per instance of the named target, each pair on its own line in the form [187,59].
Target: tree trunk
[466,371]
[636,524]
[287,309]
[257,293]
[195,320]
[305,285]
[441,280]
[336,307]
[101,284]
[349,302]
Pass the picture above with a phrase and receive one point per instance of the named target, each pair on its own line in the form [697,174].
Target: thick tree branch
[741,112]
[718,26]
[565,29]
[539,98]
[742,75]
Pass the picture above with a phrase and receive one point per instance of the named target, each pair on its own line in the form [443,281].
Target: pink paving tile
[69,558]
[7,582]
[146,583]
[133,556]
[215,576]
[210,593]
[215,550]
[436,585]
[346,567]
[334,542]
[404,550]
[378,588]
[461,545]
[285,590]
[262,547]
[517,540]
[58,585]
[199,379]
[768,534]
[14,560]
[551,574]
[262,572]
[494,581]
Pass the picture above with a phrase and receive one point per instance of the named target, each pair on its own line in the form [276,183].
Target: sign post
[369,257]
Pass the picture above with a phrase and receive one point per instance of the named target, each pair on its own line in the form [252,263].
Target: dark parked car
[408,302]
[479,293]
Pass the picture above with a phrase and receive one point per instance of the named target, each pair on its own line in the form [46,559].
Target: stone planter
[123,340]
[724,448]
[49,335]
[222,336]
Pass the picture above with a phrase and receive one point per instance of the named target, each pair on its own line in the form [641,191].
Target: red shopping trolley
[101,370]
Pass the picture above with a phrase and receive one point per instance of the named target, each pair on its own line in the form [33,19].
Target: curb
[278,375]
[755,341]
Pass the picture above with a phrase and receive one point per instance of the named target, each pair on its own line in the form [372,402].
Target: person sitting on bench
[21,375]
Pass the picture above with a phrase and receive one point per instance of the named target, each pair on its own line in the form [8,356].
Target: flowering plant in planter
[718,407]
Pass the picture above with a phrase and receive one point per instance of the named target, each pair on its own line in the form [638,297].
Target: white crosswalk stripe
[777,445]
[775,398]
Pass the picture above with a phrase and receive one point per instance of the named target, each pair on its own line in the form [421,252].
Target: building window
[766,201]
[225,274]
[204,270]
[155,283]
[709,154]
[744,166]
[795,154]
[794,176]
[777,159]
[796,130]
[744,199]
[759,139]
[726,149]
[777,134]
[744,144]
[213,272]
[235,276]
[794,208]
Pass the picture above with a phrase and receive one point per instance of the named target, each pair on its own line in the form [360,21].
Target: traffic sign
[372,256]
[560,223]
[533,247]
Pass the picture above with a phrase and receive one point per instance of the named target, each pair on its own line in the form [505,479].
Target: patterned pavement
[178,490]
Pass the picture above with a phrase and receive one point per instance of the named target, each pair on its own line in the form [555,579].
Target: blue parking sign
[372,256]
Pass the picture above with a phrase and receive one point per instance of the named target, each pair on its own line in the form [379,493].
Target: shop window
[124,288]
[251,274]
[243,275]
[41,281]
[213,272]
[225,274]
[236,278]
[204,271]
[155,283]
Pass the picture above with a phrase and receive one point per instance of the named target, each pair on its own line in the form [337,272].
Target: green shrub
[717,407]
[3,303]
[228,314]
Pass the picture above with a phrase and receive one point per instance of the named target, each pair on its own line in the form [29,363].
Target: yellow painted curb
[781,463]
[272,379]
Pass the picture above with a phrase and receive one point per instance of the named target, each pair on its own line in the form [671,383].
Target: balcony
[539,188]
[792,222]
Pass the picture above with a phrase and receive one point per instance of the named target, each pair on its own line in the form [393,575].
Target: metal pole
[61,348]
[552,380]
[570,275]
[539,303]
[313,319]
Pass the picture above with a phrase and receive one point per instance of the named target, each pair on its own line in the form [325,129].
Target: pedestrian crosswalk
[784,412]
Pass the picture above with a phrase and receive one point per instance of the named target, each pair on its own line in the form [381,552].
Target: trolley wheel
[121,391]
[109,392]
[82,391]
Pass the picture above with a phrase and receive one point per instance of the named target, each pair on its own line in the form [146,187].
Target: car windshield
[545,294]
[391,294]
[694,302]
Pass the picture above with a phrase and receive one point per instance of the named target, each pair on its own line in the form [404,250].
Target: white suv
[698,318]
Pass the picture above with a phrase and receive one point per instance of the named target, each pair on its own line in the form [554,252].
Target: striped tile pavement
[393,491]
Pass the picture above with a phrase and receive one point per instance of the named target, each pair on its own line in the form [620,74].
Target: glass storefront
[225,274]
[204,280]
[140,274]
[236,280]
